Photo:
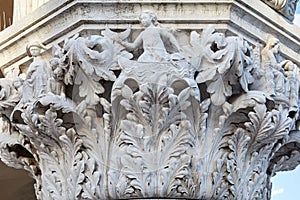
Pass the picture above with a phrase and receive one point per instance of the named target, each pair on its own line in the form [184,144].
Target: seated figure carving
[282,73]
[162,61]
[269,53]
[157,42]
[56,85]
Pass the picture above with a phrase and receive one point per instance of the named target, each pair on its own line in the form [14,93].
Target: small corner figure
[38,73]
[269,59]
[56,84]
[290,71]
[282,72]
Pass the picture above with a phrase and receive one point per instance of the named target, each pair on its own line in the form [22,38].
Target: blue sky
[286,185]
[297,16]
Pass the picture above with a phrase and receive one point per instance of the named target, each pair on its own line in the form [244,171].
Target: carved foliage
[222,62]
[155,139]
[9,96]
[86,61]
[70,155]
[159,139]
[251,151]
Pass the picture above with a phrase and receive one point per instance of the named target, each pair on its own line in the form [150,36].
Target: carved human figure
[283,74]
[269,59]
[36,82]
[293,85]
[155,40]
[18,85]
[56,84]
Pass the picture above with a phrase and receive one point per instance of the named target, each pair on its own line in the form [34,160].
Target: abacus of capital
[151,99]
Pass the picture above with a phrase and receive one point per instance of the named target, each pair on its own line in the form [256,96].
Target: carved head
[148,17]
[289,66]
[58,72]
[34,49]
[273,45]
[18,83]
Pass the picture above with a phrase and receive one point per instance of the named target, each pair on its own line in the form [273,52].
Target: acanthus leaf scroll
[85,66]
[176,121]
[222,62]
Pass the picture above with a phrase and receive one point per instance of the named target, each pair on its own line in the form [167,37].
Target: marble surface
[133,99]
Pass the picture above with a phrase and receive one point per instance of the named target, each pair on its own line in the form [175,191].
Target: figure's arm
[166,35]
[51,85]
[132,46]
[273,61]
[30,71]
[280,66]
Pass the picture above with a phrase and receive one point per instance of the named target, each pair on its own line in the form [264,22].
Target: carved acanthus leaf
[222,62]
[57,103]
[170,128]
[252,150]
[8,137]
[267,127]
[248,166]
[287,156]
[86,61]
[9,96]
[155,127]
[74,161]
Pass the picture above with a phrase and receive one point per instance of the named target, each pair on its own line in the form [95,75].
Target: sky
[286,185]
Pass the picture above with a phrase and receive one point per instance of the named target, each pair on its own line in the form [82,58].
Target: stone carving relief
[286,7]
[38,73]
[154,40]
[177,120]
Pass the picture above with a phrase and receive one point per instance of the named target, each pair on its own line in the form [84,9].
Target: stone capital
[121,100]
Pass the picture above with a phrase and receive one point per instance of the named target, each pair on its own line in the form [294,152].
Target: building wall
[6,13]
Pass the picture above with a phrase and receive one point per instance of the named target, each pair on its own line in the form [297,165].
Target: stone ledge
[54,21]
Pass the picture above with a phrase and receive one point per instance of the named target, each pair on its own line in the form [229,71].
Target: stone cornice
[56,20]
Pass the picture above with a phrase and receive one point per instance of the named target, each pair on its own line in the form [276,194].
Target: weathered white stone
[169,108]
